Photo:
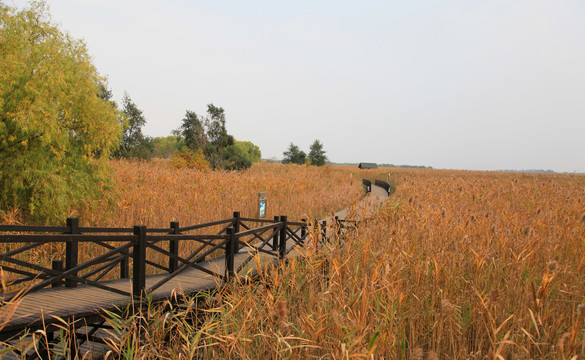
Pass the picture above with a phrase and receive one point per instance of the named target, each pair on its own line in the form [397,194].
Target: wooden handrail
[135,243]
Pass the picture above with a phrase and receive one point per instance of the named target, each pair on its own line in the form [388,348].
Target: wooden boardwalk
[43,307]
[88,302]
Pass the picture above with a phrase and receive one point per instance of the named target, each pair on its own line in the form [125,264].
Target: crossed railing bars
[114,247]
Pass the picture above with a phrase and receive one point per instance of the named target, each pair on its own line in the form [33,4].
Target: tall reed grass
[457,265]
[154,193]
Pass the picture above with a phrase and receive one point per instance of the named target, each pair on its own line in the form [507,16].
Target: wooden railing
[367,185]
[384,185]
[38,257]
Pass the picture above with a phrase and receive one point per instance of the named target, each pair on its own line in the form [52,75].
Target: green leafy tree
[134,144]
[237,158]
[294,155]
[317,154]
[218,138]
[215,124]
[56,130]
[192,131]
[209,135]
[106,94]
[253,151]
[241,155]
[166,146]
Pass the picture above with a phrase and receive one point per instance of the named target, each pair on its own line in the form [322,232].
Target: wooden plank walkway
[44,306]
[41,308]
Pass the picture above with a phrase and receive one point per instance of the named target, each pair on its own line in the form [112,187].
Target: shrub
[185,158]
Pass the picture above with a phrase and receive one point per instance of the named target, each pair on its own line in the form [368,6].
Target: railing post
[174,248]
[139,263]
[57,266]
[315,229]
[229,253]
[282,244]
[124,268]
[237,229]
[303,231]
[72,250]
[275,238]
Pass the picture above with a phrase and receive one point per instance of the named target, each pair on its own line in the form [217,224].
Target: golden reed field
[455,265]
[154,193]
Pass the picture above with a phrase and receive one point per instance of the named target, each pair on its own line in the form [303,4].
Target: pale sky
[458,84]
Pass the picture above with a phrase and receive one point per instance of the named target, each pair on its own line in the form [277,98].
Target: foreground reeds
[457,265]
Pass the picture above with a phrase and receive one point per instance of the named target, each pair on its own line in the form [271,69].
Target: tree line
[294,155]
[59,125]
[201,142]
[207,143]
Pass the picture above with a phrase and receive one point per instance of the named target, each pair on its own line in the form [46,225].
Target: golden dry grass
[457,265]
[154,193]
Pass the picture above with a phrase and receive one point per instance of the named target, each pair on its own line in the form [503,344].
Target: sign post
[262,205]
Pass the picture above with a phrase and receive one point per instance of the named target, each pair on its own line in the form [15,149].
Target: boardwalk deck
[42,308]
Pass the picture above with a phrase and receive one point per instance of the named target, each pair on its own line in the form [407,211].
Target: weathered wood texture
[83,295]
[84,300]
[70,289]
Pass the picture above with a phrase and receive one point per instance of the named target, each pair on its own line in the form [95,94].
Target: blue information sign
[262,205]
[262,211]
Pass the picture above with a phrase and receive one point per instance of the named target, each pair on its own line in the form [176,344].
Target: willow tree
[56,130]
